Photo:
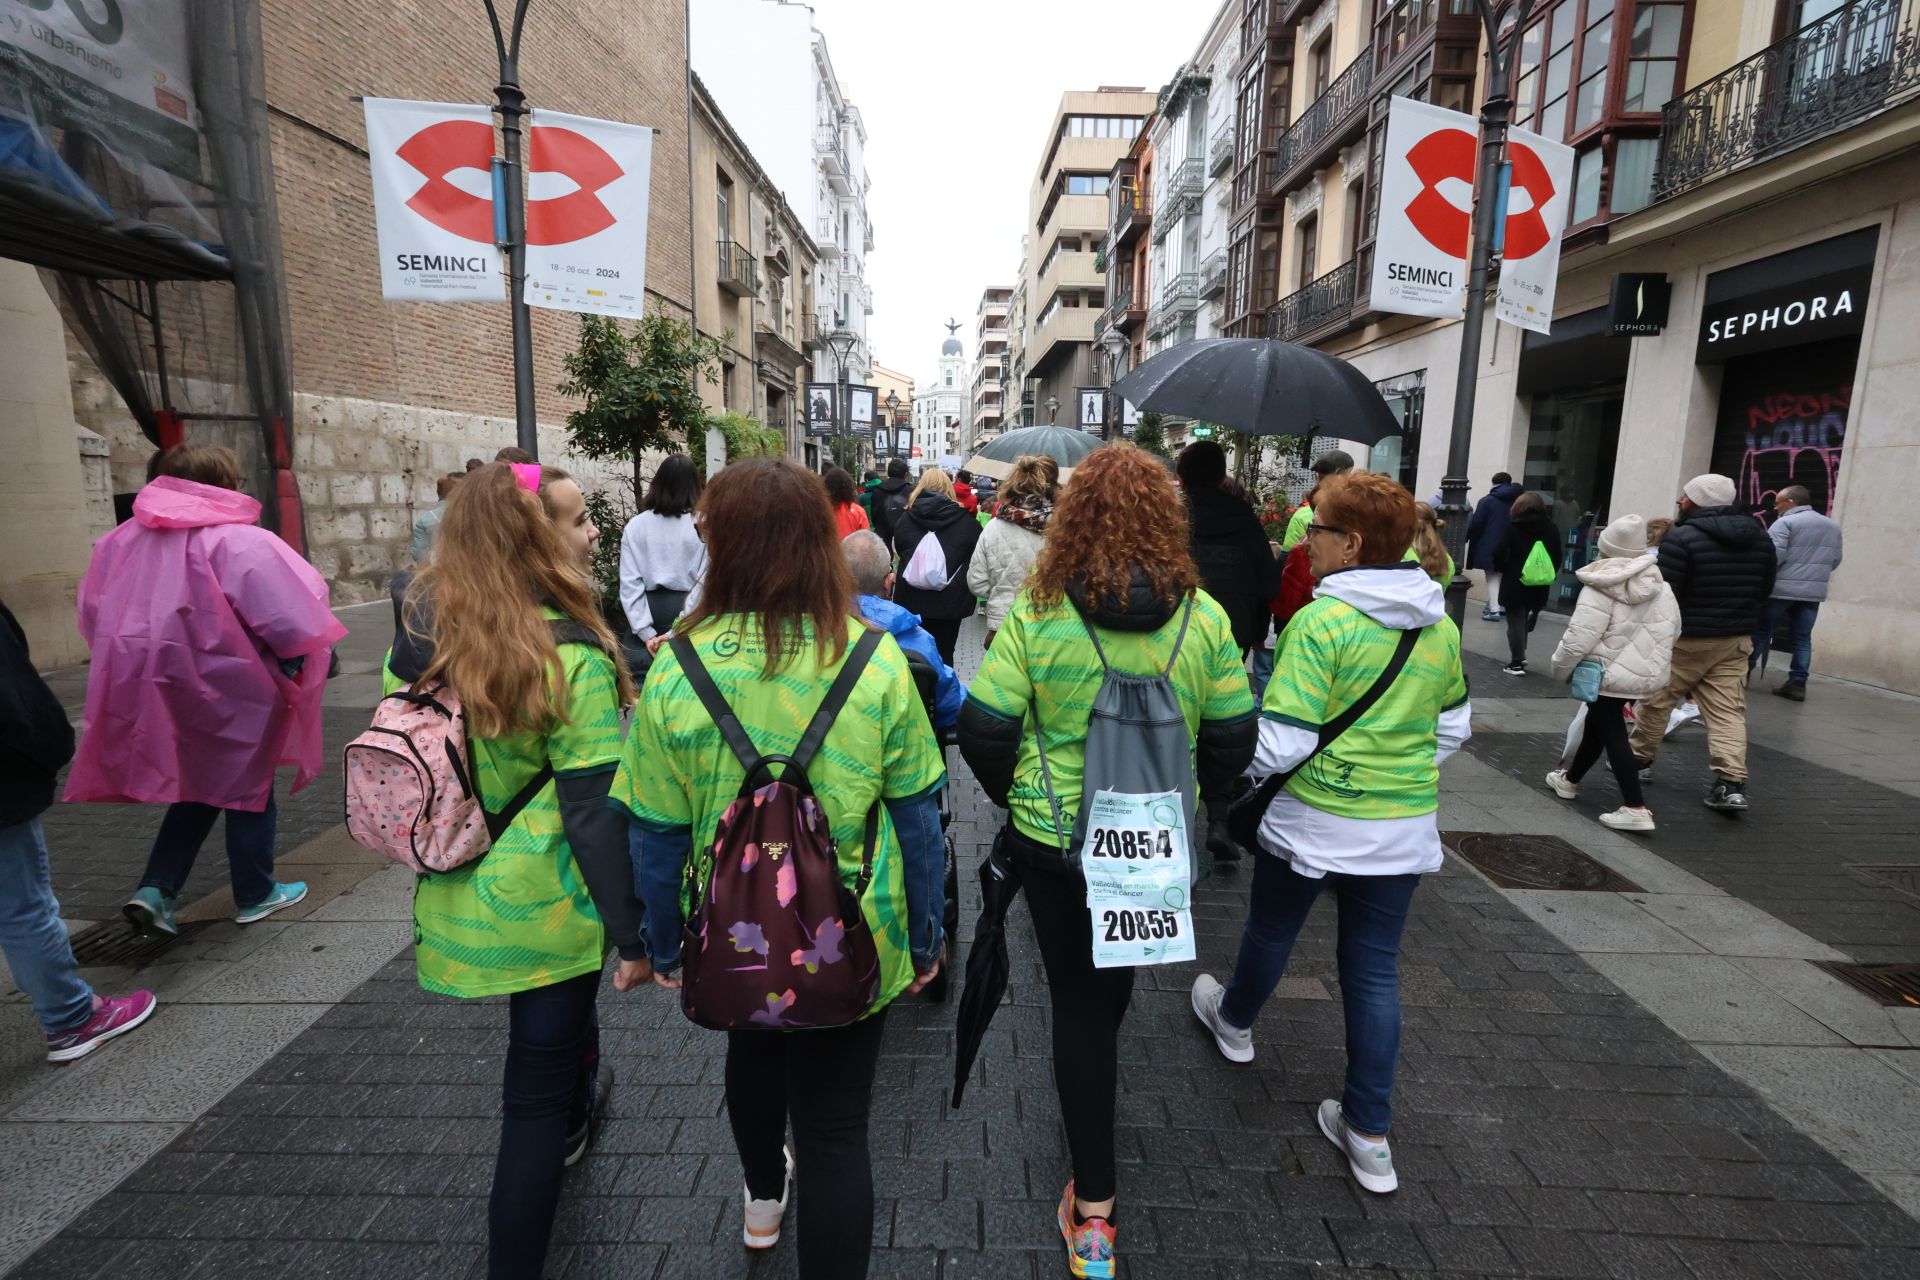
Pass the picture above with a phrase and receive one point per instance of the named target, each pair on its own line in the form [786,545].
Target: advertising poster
[587,186]
[1426,211]
[1093,408]
[1537,202]
[821,409]
[860,401]
[433,201]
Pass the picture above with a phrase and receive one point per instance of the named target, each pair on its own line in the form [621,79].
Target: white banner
[1537,203]
[433,201]
[587,184]
[1426,211]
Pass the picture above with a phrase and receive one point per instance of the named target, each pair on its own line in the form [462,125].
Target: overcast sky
[957,98]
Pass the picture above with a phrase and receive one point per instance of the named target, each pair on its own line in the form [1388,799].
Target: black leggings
[824,1081]
[946,635]
[553,1047]
[1606,730]
[1088,1006]
[1519,623]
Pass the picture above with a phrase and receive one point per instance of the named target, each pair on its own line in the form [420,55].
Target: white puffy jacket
[1001,562]
[1626,619]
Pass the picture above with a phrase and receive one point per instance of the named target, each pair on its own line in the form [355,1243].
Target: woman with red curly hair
[1114,578]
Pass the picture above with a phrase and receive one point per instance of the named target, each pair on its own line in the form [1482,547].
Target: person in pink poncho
[210,642]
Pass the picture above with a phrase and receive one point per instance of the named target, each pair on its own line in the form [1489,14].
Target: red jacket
[963,494]
[1296,587]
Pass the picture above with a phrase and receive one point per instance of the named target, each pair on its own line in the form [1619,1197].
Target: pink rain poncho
[189,609]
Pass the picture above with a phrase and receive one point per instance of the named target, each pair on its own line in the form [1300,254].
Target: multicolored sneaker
[112,1016]
[150,912]
[282,897]
[1089,1242]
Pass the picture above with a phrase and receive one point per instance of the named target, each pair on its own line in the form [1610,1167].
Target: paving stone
[1370,1245]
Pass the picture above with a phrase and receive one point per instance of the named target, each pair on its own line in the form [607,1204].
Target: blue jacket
[905,627]
[1487,527]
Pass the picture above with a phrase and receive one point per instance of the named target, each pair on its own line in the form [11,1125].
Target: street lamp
[1116,344]
[893,424]
[1053,409]
[511,102]
[841,341]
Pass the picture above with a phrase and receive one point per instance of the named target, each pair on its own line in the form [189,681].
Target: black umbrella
[987,965]
[1260,387]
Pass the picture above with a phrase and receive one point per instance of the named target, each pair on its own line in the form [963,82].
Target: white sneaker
[1236,1045]
[1625,819]
[762,1229]
[1561,787]
[1371,1162]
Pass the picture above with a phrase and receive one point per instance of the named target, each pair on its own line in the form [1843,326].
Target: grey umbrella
[996,457]
[1260,387]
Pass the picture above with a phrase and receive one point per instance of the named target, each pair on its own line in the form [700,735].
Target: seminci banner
[433,201]
[1426,211]
[1537,202]
[587,187]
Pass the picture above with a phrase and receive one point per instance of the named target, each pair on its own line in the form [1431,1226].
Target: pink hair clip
[526,475]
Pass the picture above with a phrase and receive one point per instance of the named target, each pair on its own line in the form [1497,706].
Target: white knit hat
[1626,536]
[1710,490]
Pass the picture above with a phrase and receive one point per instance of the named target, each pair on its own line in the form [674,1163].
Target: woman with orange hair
[1114,585]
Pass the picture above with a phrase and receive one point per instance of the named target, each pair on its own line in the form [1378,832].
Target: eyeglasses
[1324,528]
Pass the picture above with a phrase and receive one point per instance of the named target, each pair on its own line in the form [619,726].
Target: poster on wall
[821,418]
[118,72]
[433,226]
[903,440]
[1426,203]
[1539,194]
[860,402]
[1093,408]
[587,187]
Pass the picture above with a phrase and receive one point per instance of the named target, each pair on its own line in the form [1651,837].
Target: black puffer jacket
[1720,563]
[1237,566]
[884,505]
[947,520]
[36,741]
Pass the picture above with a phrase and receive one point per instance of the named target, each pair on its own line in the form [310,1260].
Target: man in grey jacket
[1808,546]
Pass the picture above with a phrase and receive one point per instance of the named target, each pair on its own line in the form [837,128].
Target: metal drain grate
[1888,984]
[1535,862]
[113,942]
[1903,876]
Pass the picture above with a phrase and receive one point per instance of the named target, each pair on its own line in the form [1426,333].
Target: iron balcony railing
[827,140]
[739,274]
[1133,207]
[1213,275]
[1825,76]
[1310,309]
[1220,151]
[1338,106]
[1123,299]
[1182,293]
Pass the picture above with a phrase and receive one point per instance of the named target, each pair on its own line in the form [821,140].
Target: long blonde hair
[1427,542]
[932,480]
[497,559]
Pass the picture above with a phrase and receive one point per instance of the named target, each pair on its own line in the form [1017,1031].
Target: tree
[847,452]
[1148,434]
[641,388]
[744,437]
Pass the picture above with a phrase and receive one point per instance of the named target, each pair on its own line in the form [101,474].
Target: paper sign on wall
[1537,203]
[587,186]
[433,202]
[1426,211]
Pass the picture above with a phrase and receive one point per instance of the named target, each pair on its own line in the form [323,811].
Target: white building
[941,408]
[987,414]
[767,66]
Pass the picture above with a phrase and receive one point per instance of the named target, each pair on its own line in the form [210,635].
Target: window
[949,377]
[723,203]
[1101,127]
[1308,235]
[1322,65]
[1087,184]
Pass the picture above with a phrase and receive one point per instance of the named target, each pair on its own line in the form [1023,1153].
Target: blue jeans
[1373,912]
[249,849]
[31,935]
[1262,672]
[1800,616]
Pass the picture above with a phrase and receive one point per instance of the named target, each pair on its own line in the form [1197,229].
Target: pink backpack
[412,794]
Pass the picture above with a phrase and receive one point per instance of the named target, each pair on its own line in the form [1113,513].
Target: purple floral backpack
[775,939]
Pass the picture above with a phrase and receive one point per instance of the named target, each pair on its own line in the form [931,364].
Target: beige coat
[1626,619]
[1000,565]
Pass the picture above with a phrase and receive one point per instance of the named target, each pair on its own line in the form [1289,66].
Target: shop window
[1572,439]
[1399,455]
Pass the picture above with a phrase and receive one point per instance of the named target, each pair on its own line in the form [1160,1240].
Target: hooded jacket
[1236,564]
[1001,563]
[884,503]
[1807,547]
[1721,565]
[1488,524]
[905,628]
[1510,557]
[210,640]
[1627,620]
[936,515]
[35,739]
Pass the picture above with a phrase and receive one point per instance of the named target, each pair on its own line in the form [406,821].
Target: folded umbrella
[1260,387]
[987,964]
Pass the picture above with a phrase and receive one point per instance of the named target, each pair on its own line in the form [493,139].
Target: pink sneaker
[112,1016]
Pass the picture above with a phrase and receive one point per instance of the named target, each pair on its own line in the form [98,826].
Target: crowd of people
[1305,691]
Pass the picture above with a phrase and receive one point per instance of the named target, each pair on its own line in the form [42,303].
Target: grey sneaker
[1372,1163]
[1236,1045]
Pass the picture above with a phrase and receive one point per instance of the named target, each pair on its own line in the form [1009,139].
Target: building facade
[1068,225]
[987,384]
[941,406]
[1016,397]
[893,393]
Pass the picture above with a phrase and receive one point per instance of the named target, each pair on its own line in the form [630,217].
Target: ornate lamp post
[841,341]
[1053,409]
[893,424]
[1116,344]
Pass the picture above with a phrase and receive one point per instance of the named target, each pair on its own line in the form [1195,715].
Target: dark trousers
[1373,915]
[1088,1006]
[823,1082]
[1800,616]
[1606,730]
[553,1051]
[1520,622]
[249,849]
[945,633]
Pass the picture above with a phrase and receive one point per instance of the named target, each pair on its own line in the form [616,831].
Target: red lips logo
[1445,225]
[451,145]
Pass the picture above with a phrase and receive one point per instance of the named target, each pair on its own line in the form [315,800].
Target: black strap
[710,697]
[564,631]
[837,695]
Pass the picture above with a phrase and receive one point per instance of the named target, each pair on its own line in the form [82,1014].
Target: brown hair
[1528,501]
[497,559]
[840,490]
[444,485]
[1658,528]
[513,453]
[1120,514]
[773,551]
[1377,508]
[201,463]
[1035,477]
[1427,542]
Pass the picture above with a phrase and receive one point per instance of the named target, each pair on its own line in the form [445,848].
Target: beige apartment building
[1067,222]
[989,367]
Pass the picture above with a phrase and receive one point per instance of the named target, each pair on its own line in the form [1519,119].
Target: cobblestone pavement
[1547,1125]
